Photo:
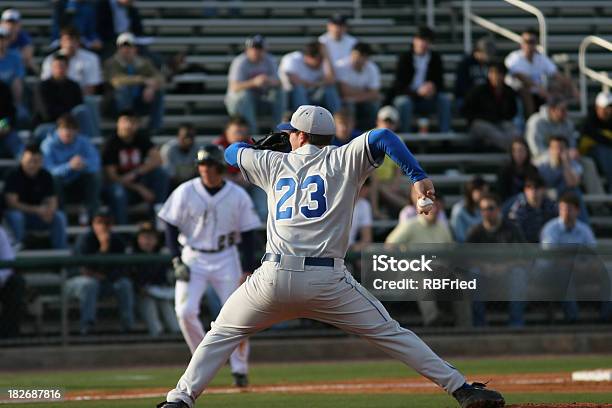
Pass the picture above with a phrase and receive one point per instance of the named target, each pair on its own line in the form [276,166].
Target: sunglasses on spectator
[530,41]
[488,208]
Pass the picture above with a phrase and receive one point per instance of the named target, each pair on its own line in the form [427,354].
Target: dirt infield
[576,405]
[515,383]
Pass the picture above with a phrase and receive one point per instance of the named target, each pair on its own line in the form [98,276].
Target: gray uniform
[311,197]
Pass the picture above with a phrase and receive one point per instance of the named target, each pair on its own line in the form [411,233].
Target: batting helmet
[210,154]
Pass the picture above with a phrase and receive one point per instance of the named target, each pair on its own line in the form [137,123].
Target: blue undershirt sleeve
[231,153]
[384,141]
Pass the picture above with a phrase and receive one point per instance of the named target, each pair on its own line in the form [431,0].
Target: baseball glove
[181,271]
[277,141]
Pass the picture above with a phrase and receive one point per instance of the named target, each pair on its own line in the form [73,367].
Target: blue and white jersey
[311,194]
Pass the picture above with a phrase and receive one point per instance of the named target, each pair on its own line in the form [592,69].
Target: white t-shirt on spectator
[6,254]
[367,78]
[83,67]
[293,63]
[362,217]
[338,50]
[541,66]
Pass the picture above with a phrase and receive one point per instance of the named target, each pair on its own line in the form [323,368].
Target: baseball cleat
[240,380]
[167,404]
[476,395]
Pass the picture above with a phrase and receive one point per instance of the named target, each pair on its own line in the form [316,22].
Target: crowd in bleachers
[517,105]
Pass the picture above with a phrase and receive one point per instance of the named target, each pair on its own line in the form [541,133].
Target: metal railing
[585,71]
[469,17]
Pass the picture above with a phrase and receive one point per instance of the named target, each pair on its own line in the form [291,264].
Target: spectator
[237,130]
[419,84]
[80,14]
[253,84]
[178,156]
[31,200]
[74,163]
[361,227]
[359,81]
[12,73]
[83,68]
[12,292]
[465,213]
[155,295]
[532,209]
[596,139]
[387,189]
[490,108]
[97,281]
[83,65]
[493,229]
[308,78]
[19,39]
[528,69]
[132,165]
[550,120]
[472,70]
[10,143]
[560,172]
[426,229]
[115,17]
[511,177]
[137,84]
[567,229]
[345,128]
[59,95]
[338,42]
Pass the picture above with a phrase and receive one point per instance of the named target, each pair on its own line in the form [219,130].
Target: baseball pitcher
[311,196]
[209,216]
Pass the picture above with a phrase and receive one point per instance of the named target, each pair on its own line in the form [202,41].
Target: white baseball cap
[126,38]
[11,15]
[311,119]
[604,99]
[388,113]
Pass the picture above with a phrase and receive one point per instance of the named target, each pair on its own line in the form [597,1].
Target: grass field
[117,381]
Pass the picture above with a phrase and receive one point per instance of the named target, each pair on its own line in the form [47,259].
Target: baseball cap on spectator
[604,99]
[388,113]
[425,33]
[3,32]
[338,19]
[314,120]
[256,41]
[126,39]
[11,15]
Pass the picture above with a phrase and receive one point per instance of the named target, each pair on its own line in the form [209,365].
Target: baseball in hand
[425,204]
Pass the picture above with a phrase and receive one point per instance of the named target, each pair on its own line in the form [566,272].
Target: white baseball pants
[286,290]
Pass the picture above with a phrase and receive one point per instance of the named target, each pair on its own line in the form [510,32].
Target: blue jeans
[407,105]
[130,98]
[326,96]
[19,222]
[87,185]
[156,180]
[602,154]
[364,113]
[87,289]
[518,288]
[11,145]
[250,103]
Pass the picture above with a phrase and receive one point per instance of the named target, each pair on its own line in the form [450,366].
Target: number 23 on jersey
[317,201]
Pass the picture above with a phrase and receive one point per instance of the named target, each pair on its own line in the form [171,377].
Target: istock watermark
[487,272]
